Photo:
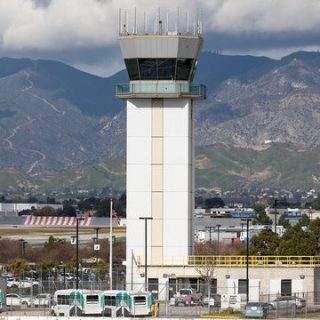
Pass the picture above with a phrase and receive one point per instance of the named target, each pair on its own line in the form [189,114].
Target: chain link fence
[205,299]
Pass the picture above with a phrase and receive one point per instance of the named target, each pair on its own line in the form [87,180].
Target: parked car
[42,300]
[14,300]
[289,300]
[188,296]
[24,283]
[12,282]
[257,310]
[300,302]
[284,303]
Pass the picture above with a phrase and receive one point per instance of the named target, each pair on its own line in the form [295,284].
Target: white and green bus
[125,303]
[113,303]
[70,302]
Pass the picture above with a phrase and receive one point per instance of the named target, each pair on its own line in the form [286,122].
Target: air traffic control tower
[160,146]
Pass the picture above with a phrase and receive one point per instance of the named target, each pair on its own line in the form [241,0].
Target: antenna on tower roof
[178,22]
[126,19]
[187,21]
[199,22]
[167,26]
[159,22]
[119,21]
[135,31]
[144,23]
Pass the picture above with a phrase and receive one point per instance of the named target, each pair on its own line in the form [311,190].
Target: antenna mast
[120,24]
[135,31]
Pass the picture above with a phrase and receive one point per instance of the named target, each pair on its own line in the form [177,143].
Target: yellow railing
[233,261]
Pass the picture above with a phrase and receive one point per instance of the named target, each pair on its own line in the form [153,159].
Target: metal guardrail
[124,91]
[235,261]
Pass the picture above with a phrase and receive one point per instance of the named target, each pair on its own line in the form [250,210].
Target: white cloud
[64,24]
[234,16]
[103,68]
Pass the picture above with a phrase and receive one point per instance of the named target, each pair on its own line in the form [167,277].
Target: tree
[314,228]
[262,217]
[19,266]
[304,221]
[207,273]
[103,208]
[265,243]
[284,221]
[88,204]
[46,212]
[53,242]
[316,204]
[215,202]
[296,242]
[68,209]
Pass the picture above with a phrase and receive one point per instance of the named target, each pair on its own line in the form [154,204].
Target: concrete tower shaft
[160,146]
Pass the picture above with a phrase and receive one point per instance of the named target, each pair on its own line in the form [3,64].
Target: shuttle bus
[113,303]
[70,302]
[126,303]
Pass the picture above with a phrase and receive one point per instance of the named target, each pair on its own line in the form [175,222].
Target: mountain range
[54,118]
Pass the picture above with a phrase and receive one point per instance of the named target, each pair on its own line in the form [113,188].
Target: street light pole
[247,259]
[23,247]
[77,251]
[145,250]
[210,232]
[218,248]
[110,246]
[275,215]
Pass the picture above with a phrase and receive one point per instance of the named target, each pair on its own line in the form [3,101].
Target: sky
[83,33]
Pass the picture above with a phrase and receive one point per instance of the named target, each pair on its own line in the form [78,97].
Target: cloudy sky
[83,33]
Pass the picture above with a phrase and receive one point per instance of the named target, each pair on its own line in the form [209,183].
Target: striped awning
[55,221]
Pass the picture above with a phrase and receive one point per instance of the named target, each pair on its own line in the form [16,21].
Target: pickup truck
[188,296]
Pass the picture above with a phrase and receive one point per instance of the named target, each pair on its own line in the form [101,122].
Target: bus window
[140,300]
[110,300]
[93,298]
[63,299]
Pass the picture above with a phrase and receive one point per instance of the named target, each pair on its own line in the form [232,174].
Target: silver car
[42,300]
[287,303]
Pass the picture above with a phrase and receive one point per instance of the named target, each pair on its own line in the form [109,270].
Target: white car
[12,282]
[14,300]
[42,300]
[25,283]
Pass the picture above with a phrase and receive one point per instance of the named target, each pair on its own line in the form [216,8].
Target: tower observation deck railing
[235,261]
[158,90]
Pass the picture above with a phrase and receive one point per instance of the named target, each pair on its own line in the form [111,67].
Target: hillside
[55,119]
[274,166]
[279,101]
[221,167]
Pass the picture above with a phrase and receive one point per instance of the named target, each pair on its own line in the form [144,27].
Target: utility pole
[275,215]
[110,246]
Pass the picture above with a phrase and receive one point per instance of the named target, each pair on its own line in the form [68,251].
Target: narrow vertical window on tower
[132,68]
[184,69]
